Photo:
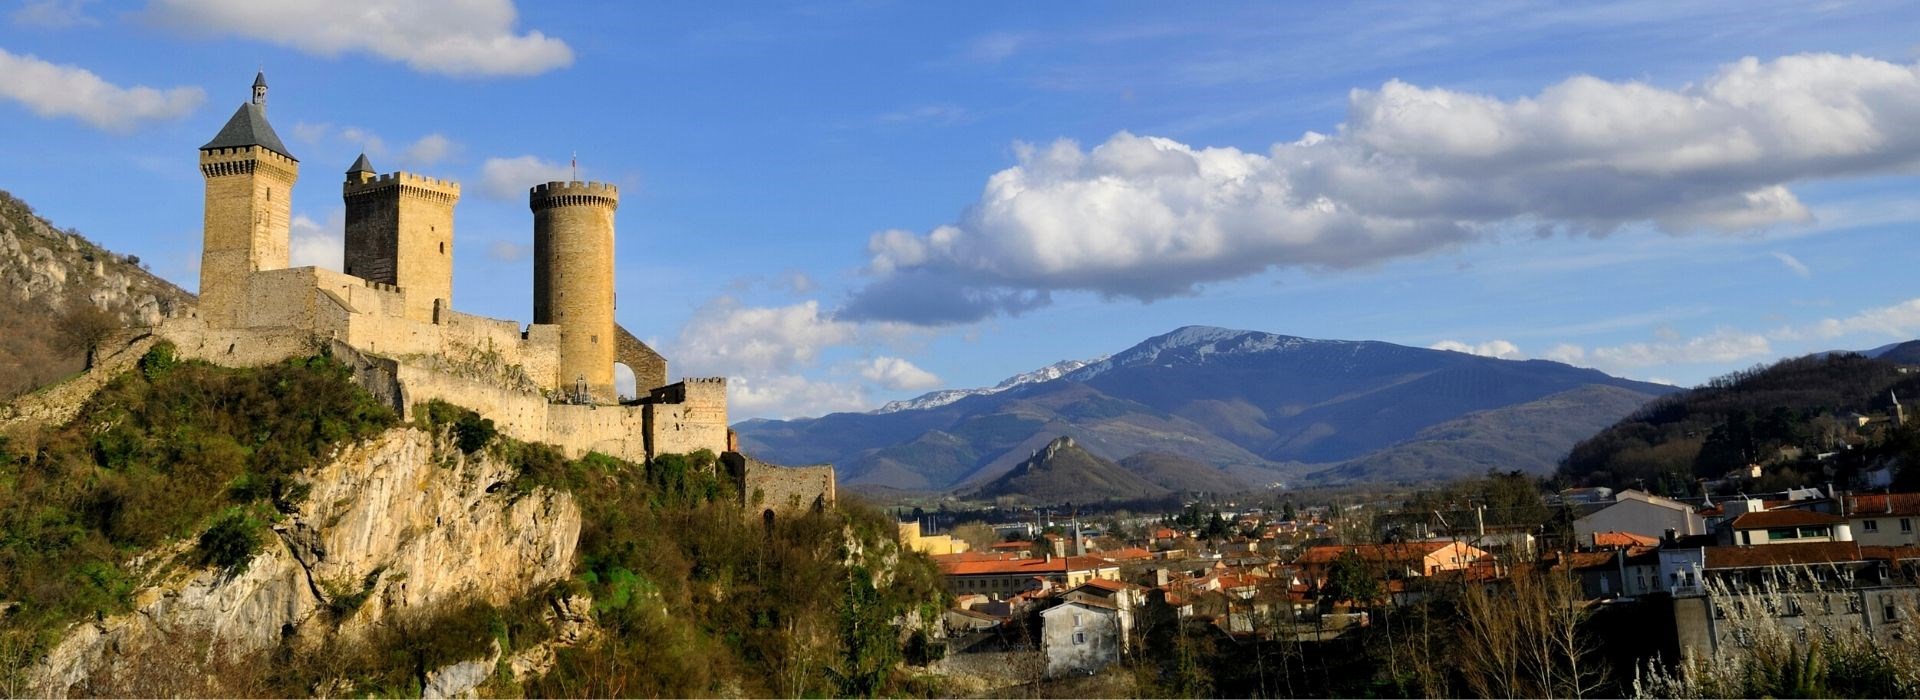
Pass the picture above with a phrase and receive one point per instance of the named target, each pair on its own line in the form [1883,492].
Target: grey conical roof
[260,79]
[361,165]
[248,127]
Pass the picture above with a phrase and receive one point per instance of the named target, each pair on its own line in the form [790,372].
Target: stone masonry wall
[649,368]
[783,490]
[247,220]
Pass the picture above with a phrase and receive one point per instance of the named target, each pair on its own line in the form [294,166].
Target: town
[1060,593]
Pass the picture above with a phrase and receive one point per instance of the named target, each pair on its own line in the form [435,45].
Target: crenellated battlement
[575,193]
[221,162]
[404,183]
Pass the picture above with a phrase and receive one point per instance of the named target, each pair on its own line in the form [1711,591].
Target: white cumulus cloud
[1493,348]
[778,359]
[59,90]
[429,150]
[448,37]
[1900,320]
[897,374]
[1722,345]
[510,178]
[1411,170]
[311,244]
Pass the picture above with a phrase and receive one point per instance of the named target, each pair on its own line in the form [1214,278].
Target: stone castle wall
[780,490]
[649,367]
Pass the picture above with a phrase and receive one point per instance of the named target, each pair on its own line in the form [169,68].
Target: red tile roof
[1108,584]
[1327,554]
[1127,554]
[1622,539]
[1783,518]
[1884,504]
[1733,557]
[1023,566]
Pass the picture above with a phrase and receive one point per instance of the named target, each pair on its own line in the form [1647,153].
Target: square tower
[250,178]
[400,232]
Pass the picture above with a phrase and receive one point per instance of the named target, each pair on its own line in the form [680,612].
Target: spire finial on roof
[360,165]
[260,88]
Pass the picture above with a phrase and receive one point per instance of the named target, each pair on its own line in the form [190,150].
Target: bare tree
[85,327]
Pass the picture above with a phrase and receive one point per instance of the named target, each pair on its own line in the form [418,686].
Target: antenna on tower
[576,166]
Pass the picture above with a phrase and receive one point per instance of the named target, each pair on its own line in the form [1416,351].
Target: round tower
[573,279]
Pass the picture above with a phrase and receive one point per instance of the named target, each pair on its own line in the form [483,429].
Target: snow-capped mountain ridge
[1199,342]
[936,399]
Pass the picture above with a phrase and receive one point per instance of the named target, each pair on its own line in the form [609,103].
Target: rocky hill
[179,528]
[1061,472]
[1260,407]
[54,283]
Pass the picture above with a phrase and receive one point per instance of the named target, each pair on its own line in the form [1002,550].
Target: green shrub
[175,450]
[230,542]
[473,432]
[159,360]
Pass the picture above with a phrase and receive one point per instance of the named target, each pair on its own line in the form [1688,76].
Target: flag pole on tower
[576,165]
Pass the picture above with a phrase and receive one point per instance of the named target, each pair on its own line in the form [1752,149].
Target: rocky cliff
[396,525]
[46,276]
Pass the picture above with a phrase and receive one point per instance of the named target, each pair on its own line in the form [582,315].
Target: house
[1004,578]
[1784,526]
[1622,571]
[1883,519]
[1080,637]
[1836,585]
[1640,513]
[1394,561]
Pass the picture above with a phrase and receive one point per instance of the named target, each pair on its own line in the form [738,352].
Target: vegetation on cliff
[184,464]
[159,455]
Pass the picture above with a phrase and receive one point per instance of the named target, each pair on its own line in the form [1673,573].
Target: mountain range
[1212,408]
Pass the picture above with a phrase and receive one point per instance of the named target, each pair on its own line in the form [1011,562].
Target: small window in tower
[443,247]
[595,339]
[269,194]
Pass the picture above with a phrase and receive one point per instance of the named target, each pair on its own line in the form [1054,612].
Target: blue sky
[838,204]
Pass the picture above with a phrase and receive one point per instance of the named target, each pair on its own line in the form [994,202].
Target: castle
[391,309]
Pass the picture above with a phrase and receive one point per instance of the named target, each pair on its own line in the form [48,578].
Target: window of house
[1870,525]
[1814,531]
[1889,612]
[1906,524]
[1079,638]
[1782,533]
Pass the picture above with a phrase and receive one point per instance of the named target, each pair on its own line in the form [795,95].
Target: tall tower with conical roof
[249,175]
[400,232]
[573,279]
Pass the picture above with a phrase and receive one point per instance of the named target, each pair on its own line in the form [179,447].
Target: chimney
[1670,536]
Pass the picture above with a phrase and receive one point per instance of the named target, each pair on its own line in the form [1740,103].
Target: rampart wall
[782,490]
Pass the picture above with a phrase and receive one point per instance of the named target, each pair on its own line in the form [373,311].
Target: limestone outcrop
[400,523]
